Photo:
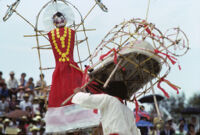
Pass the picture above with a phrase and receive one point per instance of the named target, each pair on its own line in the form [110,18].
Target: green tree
[174,105]
[194,101]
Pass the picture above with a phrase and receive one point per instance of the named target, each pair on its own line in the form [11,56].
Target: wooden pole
[155,100]
[111,75]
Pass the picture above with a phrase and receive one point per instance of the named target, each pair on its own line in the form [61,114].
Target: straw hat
[158,122]
[12,131]
[41,97]
[24,117]
[38,117]
[26,95]
[37,113]
[35,98]
[35,119]
[6,120]
[34,128]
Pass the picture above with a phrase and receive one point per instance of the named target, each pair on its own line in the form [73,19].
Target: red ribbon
[86,77]
[144,114]
[171,58]
[115,55]
[136,109]
[171,85]
[179,67]
[95,111]
[147,29]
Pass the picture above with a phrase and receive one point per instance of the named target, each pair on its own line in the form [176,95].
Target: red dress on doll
[65,77]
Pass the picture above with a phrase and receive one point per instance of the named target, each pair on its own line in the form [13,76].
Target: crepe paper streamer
[115,55]
[136,109]
[170,84]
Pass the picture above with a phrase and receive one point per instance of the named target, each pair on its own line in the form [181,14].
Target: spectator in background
[22,80]
[171,123]
[38,92]
[12,84]
[1,129]
[191,129]
[167,130]
[6,123]
[4,91]
[20,93]
[1,78]
[181,130]
[24,103]
[41,81]
[30,93]
[30,83]
[183,122]
[195,123]
[13,103]
[4,105]
[36,106]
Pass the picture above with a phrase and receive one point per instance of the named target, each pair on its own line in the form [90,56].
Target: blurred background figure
[20,93]
[191,129]
[23,104]
[194,122]
[22,80]
[181,130]
[12,84]
[30,84]
[168,130]
[13,103]
[4,91]
[2,80]
[4,105]
[41,81]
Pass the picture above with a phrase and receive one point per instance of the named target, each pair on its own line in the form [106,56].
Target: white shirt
[23,104]
[12,83]
[36,108]
[115,116]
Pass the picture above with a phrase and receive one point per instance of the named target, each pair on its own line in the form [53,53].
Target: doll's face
[59,20]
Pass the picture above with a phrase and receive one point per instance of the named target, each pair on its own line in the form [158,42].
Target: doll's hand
[79,90]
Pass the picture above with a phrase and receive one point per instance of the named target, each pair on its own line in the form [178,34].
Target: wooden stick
[33,35]
[86,30]
[69,64]
[70,97]
[46,33]
[67,100]
[82,21]
[155,100]
[112,73]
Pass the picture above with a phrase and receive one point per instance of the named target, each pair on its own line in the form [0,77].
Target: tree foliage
[174,105]
[194,101]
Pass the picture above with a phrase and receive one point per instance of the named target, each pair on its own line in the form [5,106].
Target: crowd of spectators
[22,110]
[22,105]
[171,126]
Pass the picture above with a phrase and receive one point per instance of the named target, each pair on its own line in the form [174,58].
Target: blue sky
[16,52]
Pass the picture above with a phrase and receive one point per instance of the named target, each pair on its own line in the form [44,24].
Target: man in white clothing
[116,118]
[12,84]
[23,104]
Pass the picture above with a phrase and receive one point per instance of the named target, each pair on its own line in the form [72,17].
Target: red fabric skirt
[64,80]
